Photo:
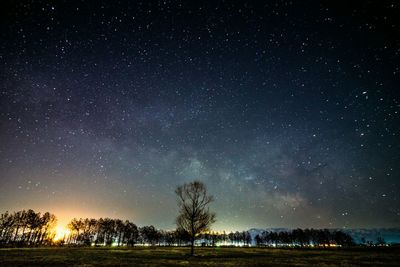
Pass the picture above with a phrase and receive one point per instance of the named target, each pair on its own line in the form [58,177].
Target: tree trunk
[23,233]
[43,235]
[29,236]
[16,233]
[192,246]
[119,238]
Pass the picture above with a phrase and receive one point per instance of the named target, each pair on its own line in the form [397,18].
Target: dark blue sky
[288,111]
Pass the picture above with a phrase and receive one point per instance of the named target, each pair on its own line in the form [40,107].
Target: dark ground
[170,256]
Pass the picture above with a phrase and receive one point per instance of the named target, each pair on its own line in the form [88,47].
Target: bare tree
[131,233]
[76,226]
[149,234]
[194,214]
[119,229]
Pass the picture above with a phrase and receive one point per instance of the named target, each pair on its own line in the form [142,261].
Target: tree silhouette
[194,215]
[150,235]
[28,228]
[25,228]
[47,222]
[76,226]
[19,221]
[131,233]
[119,228]
[109,230]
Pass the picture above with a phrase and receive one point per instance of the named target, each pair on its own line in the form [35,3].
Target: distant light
[61,233]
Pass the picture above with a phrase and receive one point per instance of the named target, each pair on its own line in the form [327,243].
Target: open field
[169,256]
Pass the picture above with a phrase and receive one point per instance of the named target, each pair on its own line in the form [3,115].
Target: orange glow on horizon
[61,233]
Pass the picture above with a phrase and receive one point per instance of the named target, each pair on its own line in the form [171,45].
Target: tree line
[125,233]
[30,228]
[107,232]
[27,228]
[306,237]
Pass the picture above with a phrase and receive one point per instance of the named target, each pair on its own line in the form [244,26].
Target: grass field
[167,256]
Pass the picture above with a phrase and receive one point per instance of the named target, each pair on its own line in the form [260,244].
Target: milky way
[289,112]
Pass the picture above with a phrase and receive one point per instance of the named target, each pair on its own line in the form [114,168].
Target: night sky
[287,111]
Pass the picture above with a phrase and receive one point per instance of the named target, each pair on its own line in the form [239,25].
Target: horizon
[55,233]
[63,223]
[288,112]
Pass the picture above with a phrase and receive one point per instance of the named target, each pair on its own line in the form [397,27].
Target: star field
[288,111]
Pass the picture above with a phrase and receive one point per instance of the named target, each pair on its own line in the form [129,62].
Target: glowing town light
[61,233]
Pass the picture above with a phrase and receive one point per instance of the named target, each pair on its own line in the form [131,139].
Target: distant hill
[390,235]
